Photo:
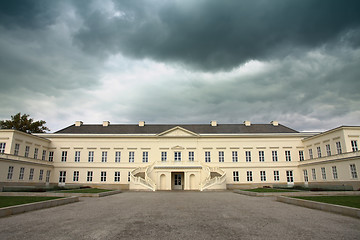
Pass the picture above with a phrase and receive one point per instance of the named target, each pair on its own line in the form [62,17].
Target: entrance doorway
[177,181]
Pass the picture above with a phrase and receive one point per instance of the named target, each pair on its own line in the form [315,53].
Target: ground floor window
[10,172]
[289,176]
[335,174]
[129,176]
[41,174]
[249,177]
[313,172]
[76,176]
[117,177]
[89,177]
[103,176]
[323,173]
[48,176]
[353,171]
[306,177]
[262,176]
[276,176]
[31,174]
[62,176]
[21,174]
[236,176]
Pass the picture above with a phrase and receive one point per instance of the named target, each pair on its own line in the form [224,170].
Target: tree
[24,123]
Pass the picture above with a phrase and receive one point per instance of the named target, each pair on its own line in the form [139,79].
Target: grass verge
[349,201]
[264,190]
[85,190]
[6,201]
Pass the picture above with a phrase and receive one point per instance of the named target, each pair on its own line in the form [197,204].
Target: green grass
[261,190]
[349,201]
[6,201]
[85,190]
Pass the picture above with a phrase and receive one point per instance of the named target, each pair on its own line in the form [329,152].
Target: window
[164,156]
[249,177]
[353,171]
[10,172]
[328,150]
[145,156]
[63,156]
[207,157]
[354,146]
[177,156]
[16,150]
[306,177]
[31,174]
[191,156]
[27,151]
[338,148]
[117,177]
[131,156]
[235,176]
[62,176]
[117,156]
[248,156]
[41,174]
[287,156]
[323,173]
[76,176]
[234,156]
[43,157]
[77,156]
[261,156]
[128,176]
[274,156]
[313,172]
[21,174]
[103,176]
[262,176]
[36,152]
[301,155]
[276,176]
[221,156]
[104,156]
[2,147]
[89,176]
[91,156]
[311,156]
[334,171]
[51,156]
[48,176]
[289,176]
[318,152]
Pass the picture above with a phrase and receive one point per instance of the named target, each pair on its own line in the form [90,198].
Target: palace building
[181,156]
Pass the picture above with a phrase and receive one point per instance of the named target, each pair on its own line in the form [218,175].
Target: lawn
[85,190]
[265,190]
[6,201]
[349,201]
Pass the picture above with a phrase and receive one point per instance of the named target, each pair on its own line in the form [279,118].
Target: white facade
[178,158]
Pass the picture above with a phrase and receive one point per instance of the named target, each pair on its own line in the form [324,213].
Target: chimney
[213,123]
[274,123]
[247,123]
[78,123]
[141,123]
[106,123]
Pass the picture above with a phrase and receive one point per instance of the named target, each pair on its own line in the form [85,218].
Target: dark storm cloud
[215,35]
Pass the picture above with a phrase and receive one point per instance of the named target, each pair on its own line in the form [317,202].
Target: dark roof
[159,128]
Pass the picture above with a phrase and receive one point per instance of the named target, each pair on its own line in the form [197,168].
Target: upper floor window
[164,156]
[2,147]
[262,176]
[91,156]
[301,155]
[311,156]
[235,176]
[131,156]
[221,156]
[43,157]
[287,156]
[261,156]
[207,157]
[27,151]
[328,150]
[51,156]
[177,156]
[353,171]
[104,156]
[16,150]
[323,173]
[318,152]
[63,156]
[117,156]
[248,156]
[36,152]
[338,148]
[145,156]
[354,145]
[274,156]
[191,156]
[234,156]
[77,156]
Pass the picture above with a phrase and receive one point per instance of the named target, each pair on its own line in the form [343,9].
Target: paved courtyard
[178,215]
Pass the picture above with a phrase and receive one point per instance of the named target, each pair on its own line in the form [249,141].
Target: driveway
[179,215]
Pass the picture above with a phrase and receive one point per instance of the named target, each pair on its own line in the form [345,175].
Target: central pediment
[178,132]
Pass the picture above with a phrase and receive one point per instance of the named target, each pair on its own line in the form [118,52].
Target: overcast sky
[182,61]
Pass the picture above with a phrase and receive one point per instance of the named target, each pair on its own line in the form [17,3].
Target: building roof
[159,128]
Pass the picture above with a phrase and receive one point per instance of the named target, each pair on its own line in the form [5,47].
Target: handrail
[147,181]
[208,182]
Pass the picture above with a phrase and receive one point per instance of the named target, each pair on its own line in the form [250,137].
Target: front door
[178,181]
